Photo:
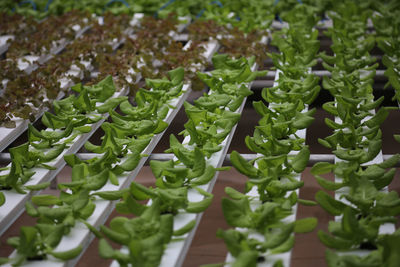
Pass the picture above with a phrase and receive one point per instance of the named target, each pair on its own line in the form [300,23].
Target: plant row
[125,138]
[246,16]
[362,205]
[211,120]
[265,215]
[386,23]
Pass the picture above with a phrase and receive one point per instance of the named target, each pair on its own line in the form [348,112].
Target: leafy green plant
[265,227]
[190,169]
[362,202]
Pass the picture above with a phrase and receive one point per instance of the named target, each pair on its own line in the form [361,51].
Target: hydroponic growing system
[118,120]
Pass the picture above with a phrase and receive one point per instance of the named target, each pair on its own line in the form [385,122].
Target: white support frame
[4,43]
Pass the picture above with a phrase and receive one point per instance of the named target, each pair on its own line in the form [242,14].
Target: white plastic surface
[3,42]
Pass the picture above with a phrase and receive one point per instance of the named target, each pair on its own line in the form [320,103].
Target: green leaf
[364,194]
[322,168]
[134,206]
[306,202]
[67,255]
[246,258]
[329,204]
[166,227]
[110,195]
[132,160]
[391,253]
[349,222]
[72,160]
[305,225]
[2,199]
[232,193]
[302,121]
[158,167]
[161,126]
[104,89]
[385,180]
[111,103]
[237,213]
[391,162]
[38,186]
[243,166]
[199,165]
[52,121]
[97,181]
[52,233]
[205,178]
[176,75]
[285,247]
[334,242]
[28,236]
[378,119]
[105,250]
[82,102]
[93,229]
[54,213]
[141,192]
[275,237]
[83,129]
[53,153]
[196,207]
[372,105]
[300,161]
[185,229]
[45,200]
[232,239]
[115,236]
[328,185]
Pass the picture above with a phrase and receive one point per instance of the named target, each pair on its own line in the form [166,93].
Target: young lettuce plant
[363,207]
[266,220]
